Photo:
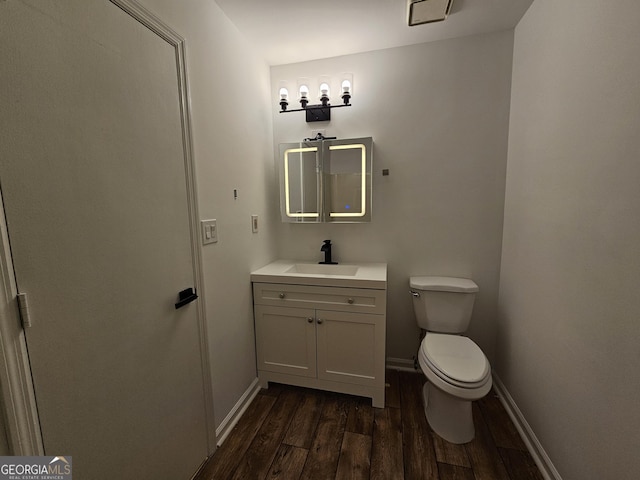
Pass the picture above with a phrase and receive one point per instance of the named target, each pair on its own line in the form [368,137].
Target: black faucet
[326,248]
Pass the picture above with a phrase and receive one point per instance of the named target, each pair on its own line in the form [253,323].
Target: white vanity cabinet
[325,337]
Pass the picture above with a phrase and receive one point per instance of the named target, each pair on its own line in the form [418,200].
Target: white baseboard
[541,458]
[236,412]
[400,364]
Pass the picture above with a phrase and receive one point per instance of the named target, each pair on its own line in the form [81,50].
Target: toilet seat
[456,360]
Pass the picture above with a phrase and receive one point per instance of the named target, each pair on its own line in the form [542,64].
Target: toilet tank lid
[443,284]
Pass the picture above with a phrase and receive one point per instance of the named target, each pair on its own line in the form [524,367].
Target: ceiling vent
[427,11]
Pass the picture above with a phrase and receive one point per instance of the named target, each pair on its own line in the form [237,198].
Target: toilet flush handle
[415,294]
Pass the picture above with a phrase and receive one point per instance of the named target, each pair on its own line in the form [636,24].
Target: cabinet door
[350,347]
[286,340]
[300,184]
[347,179]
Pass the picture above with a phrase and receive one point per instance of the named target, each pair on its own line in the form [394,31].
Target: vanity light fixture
[320,112]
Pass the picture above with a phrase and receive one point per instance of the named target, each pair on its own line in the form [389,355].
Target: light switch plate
[209,231]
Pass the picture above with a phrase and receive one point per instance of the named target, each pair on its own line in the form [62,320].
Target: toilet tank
[443,304]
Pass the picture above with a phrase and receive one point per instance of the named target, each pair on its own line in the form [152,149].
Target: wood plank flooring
[291,433]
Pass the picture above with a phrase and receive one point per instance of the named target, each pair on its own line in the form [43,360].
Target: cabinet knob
[282,295]
[350,301]
[319,321]
[310,319]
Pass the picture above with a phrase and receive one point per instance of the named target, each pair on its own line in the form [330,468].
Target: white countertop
[367,275]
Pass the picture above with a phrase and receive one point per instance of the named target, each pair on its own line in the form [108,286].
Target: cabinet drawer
[322,298]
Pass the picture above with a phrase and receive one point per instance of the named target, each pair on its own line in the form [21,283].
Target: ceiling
[291,31]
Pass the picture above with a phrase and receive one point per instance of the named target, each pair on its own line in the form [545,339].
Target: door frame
[16,385]
[18,397]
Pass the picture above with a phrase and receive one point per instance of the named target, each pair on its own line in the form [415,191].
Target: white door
[92,170]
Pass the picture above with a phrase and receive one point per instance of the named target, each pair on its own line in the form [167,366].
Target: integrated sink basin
[344,274]
[320,269]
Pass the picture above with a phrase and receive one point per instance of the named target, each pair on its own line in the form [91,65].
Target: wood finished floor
[300,434]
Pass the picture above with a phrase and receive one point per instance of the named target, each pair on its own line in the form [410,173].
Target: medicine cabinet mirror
[326,180]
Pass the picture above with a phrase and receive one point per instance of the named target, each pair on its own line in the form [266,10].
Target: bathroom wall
[231,113]
[569,331]
[438,114]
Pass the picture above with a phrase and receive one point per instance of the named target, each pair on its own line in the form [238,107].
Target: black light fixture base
[318,114]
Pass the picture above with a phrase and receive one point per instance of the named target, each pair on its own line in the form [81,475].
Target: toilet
[457,370]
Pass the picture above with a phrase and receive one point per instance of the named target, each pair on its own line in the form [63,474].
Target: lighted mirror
[301,184]
[326,181]
[346,175]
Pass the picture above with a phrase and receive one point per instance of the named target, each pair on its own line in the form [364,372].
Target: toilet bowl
[457,370]
[457,373]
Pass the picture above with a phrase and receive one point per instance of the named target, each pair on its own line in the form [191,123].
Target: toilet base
[449,417]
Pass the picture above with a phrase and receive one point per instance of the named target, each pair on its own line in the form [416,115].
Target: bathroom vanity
[322,326]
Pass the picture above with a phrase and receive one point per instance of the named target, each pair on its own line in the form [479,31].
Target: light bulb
[304,91]
[324,89]
[346,86]
[284,95]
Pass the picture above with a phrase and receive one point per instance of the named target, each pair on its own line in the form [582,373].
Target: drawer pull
[282,295]
[310,319]
[319,321]
[350,301]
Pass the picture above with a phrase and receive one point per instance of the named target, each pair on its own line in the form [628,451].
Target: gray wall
[231,112]
[569,332]
[438,114]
